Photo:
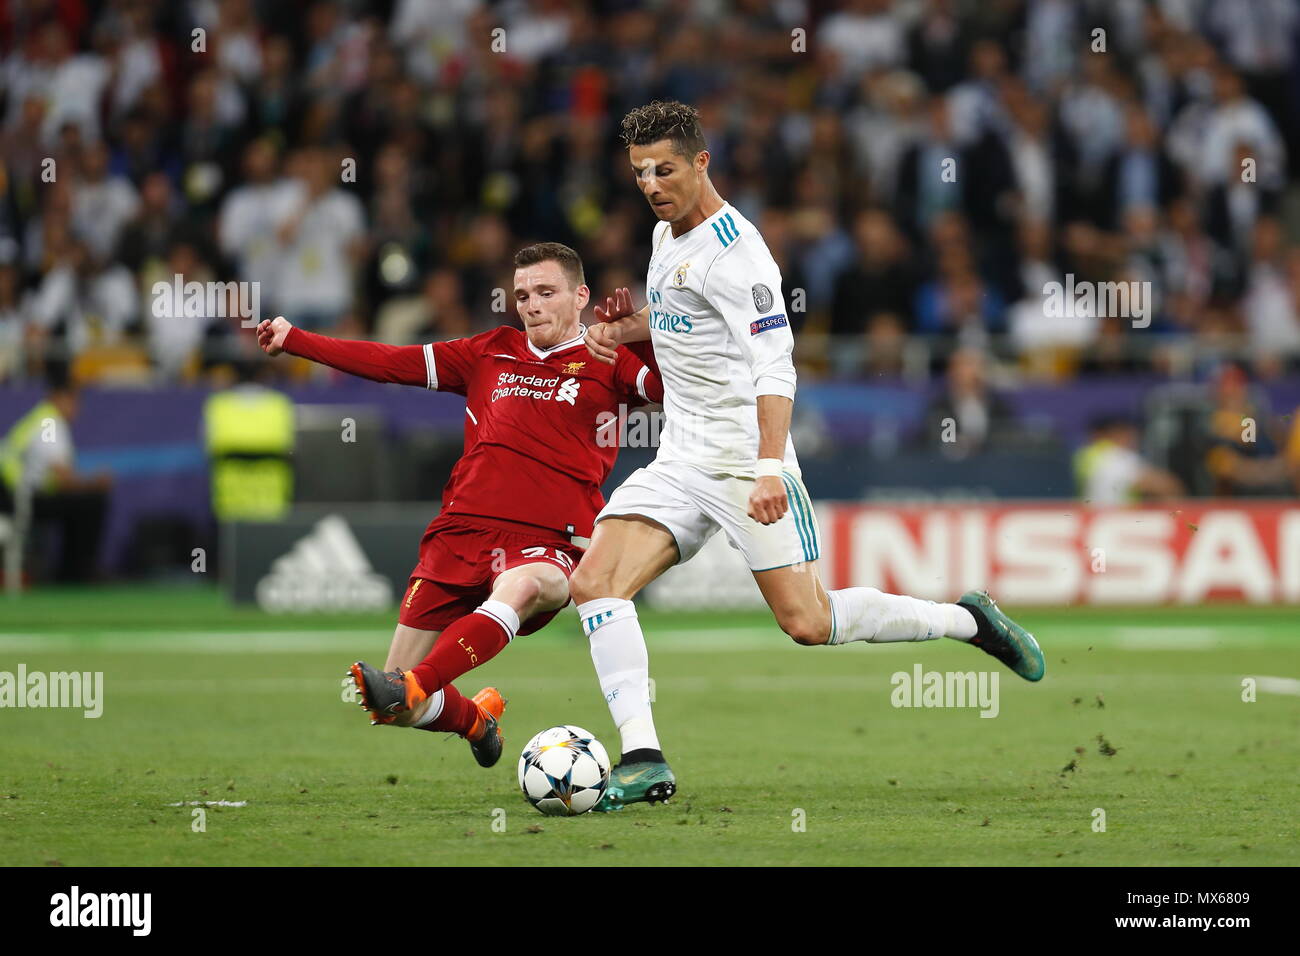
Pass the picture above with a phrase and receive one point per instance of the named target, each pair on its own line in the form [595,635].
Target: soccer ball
[563,771]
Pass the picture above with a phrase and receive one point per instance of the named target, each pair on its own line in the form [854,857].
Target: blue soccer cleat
[643,780]
[1002,637]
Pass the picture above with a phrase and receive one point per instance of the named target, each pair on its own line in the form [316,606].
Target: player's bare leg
[626,554]
[421,694]
[811,615]
[517,594]
[410,646]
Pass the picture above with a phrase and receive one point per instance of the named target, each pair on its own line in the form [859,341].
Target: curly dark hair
[670,120]
[569,260]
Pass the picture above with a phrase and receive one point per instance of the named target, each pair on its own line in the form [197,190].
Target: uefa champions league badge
[762,297]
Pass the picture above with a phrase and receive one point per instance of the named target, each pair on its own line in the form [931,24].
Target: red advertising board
[1063,553]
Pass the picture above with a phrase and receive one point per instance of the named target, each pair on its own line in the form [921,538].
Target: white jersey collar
[546,353]
[722,210]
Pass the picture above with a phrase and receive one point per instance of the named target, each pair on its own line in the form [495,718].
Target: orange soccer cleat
[386,693]
[485,739]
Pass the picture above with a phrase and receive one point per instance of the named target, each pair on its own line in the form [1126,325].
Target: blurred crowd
[921,169]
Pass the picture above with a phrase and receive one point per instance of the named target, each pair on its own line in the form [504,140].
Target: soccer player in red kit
[519,506]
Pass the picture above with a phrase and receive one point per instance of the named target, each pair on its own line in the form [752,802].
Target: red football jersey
[532,453]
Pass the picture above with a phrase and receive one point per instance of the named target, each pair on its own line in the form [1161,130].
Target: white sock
[503,614]
[433,711]
[623,666]
[865,614]
[961,623]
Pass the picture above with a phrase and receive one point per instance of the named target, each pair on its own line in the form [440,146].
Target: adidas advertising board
[353,560]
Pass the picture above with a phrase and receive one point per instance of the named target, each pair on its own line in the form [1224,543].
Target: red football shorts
[460,557]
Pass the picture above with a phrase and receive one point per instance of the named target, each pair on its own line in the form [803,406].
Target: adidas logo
[325,571]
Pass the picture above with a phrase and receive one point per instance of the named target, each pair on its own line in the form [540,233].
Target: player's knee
[552,586]
[517,587]
[804,628]
[528,588]
[587,585]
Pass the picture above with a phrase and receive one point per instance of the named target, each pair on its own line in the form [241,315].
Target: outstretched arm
[403,364]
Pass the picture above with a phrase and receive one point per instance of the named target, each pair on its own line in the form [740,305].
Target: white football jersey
[722,337]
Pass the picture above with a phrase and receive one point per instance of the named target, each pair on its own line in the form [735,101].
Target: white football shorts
[692,504]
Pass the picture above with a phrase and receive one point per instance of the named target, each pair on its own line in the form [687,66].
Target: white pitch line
[868,679]
[675,639]
[1279,685]
[1167,638]
[297,642]
[192,642]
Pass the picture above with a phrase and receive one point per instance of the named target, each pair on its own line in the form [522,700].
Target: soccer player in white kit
[721,334]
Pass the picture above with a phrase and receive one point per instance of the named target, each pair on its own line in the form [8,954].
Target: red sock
[458,713]
[473,640]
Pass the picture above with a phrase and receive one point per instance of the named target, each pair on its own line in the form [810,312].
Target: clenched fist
[271,334]
[602,342]
[768,501]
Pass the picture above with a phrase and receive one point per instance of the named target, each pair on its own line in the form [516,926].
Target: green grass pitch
[784,755]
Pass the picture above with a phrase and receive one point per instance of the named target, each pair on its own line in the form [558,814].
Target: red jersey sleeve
[451,364]
[403,364]
[646,353]
[639,378]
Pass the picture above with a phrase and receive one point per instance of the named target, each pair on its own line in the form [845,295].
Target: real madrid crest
[679,277]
